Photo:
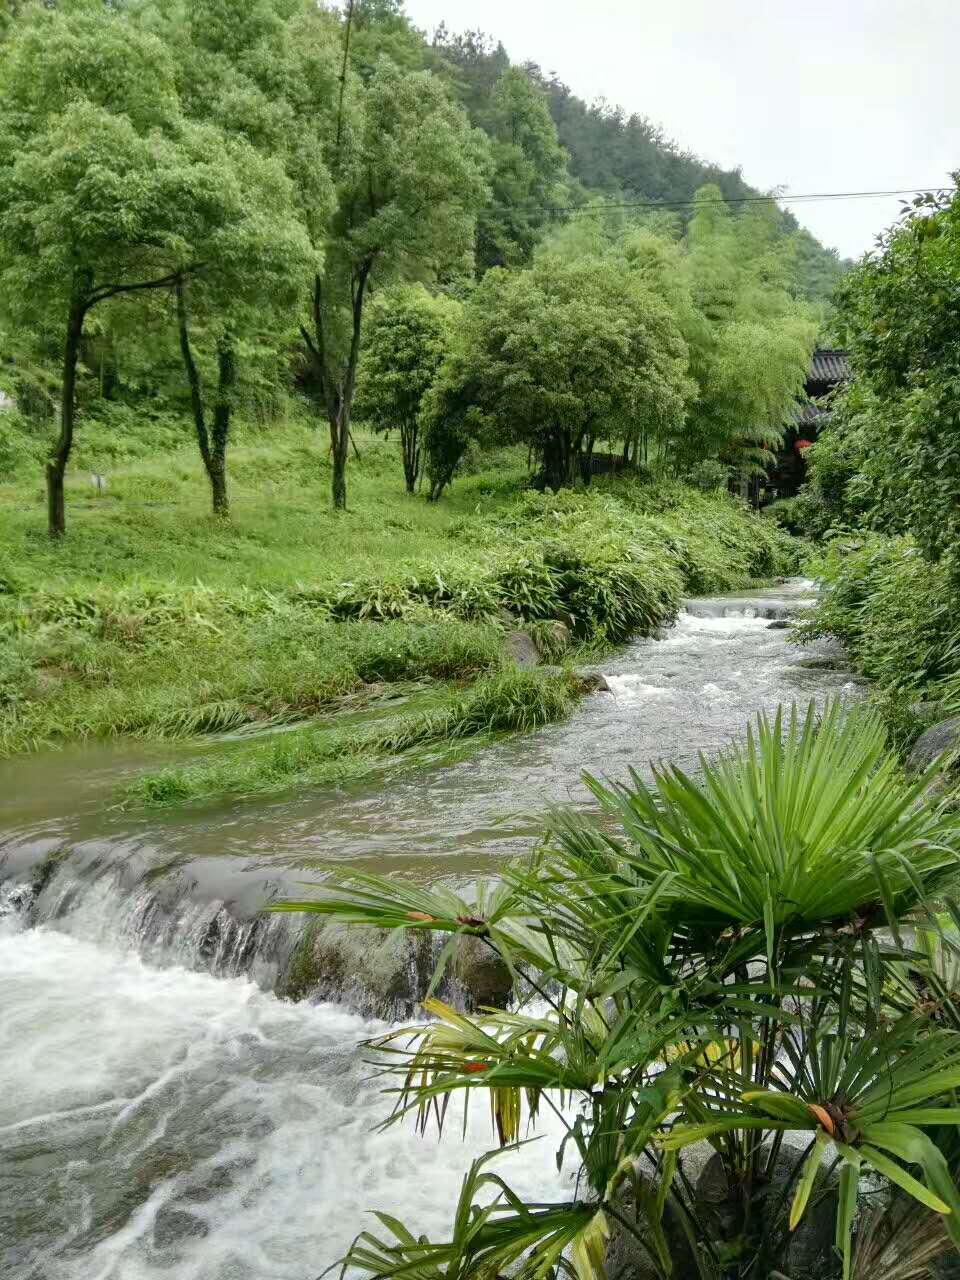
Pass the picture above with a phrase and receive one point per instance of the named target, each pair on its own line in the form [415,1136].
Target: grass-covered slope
[154,619]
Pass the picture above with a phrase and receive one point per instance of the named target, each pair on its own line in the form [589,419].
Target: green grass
[508,701]
[153,619]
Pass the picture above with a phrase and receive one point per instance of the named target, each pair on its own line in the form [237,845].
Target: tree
[100,197]
[530,167]
[719,959]
[751,356]
[249,76]
[410,333]
[252,278]
[410,174]
[562,355]
[897,428]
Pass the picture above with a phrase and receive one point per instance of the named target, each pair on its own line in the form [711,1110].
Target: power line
[801,198]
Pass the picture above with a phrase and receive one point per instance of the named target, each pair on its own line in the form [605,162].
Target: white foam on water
[731,622]
[634,686]
[169,1124]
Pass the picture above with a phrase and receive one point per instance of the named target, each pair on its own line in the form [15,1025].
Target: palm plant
[768,950]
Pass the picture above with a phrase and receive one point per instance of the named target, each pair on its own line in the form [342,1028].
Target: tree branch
[163,282]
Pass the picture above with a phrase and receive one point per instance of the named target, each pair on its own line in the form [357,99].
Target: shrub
[893,610]
[515,700]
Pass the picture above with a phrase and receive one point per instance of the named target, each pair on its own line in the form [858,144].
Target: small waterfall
[161,917]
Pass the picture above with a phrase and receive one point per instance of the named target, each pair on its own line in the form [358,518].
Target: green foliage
[506,701]
[713,958]
[410,175]
[284,625]
[890,455]
[410,332]
[892,609]
[529,172]
[560,356]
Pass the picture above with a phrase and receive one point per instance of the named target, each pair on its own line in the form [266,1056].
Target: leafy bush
[514,700]
[717,960]
[894,611]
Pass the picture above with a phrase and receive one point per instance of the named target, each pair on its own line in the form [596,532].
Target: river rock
[522,649]
[941,740]
[376,971]
[626,1258]
[780,624]
[483,976]
[592,682]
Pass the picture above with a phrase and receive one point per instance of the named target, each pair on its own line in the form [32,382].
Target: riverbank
[155,621]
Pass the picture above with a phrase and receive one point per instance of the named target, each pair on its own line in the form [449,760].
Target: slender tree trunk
[213,453]
[557,458]
[340,422]
[552,462]
[193,378]
[57,462]
[337,391]
[222,410]
[410,445]
[586,459]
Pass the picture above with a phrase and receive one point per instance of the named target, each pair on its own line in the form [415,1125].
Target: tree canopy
[890,455]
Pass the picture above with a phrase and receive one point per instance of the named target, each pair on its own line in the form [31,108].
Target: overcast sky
[811,95]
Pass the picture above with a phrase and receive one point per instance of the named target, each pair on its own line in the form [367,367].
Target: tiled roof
[829,367]
[809,415]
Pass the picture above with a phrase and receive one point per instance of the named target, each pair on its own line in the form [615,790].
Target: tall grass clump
[506,701]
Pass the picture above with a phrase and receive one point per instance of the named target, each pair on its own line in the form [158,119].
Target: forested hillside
[623,156]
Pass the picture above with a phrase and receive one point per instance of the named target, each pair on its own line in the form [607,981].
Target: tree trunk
[193,378]
[409,443]
[214,456]
[227,377]
[556,459]
[57,462]
[586,460]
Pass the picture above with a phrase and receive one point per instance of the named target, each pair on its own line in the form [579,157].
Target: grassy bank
[155,620]
[895,612]
[507,701]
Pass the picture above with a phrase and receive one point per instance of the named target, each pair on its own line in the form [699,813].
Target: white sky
[813,95]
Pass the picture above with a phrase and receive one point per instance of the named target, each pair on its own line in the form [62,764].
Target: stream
[163,1115]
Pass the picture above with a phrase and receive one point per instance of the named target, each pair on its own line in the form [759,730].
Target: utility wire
[802,198]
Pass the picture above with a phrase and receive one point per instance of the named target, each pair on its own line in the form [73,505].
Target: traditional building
[828,369]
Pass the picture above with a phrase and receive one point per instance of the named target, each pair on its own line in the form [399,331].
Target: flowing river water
[163,1115]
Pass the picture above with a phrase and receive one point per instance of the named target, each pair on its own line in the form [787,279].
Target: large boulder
[939,742]
[522,649]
